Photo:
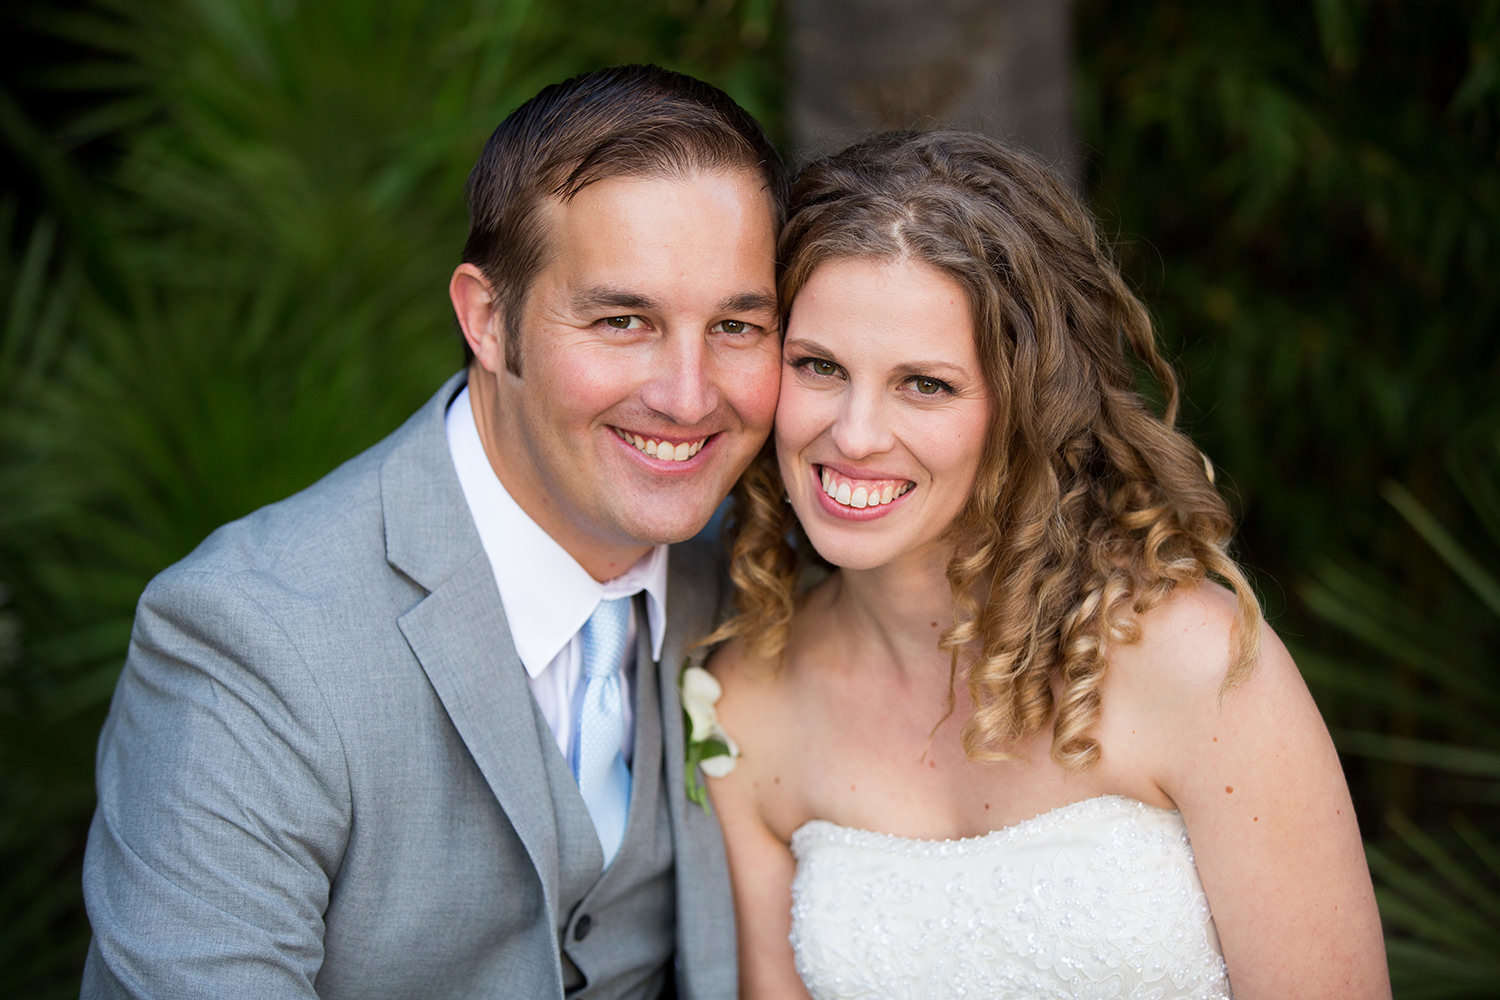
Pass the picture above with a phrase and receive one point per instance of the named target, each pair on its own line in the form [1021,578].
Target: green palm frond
[1438,885]
[1440,896]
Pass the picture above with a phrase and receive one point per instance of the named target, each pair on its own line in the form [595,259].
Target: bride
[1027,734]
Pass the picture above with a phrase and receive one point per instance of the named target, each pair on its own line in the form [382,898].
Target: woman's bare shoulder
[1170,686]
[1184,645]
[1252,770]
[738,668]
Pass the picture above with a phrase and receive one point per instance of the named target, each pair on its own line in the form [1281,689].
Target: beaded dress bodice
[1096,899]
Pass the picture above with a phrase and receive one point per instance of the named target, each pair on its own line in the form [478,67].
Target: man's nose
[681,385]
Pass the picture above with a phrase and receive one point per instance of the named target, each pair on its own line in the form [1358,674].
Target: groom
[414,732]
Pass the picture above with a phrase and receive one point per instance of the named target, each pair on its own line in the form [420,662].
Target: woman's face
[883,411]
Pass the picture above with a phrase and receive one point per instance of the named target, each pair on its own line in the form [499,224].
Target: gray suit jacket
[321,775]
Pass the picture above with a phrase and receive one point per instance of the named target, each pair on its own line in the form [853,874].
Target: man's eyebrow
[749,302]
[591,299]
[599,297]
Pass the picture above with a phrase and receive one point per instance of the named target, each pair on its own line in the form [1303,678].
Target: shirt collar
[546,594]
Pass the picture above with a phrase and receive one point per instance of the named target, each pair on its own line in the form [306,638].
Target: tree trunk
[1001,67]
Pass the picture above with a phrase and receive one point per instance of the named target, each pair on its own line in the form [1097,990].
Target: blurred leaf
[1445,545]
[1426,753]
[1451,916]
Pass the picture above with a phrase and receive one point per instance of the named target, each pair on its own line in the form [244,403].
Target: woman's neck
[901,610]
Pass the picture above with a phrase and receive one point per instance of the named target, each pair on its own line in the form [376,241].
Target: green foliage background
[1307,195]
[225,234]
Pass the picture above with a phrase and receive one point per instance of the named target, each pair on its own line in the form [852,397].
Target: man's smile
[662,450]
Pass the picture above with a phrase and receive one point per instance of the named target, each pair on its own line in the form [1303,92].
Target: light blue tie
[598,765]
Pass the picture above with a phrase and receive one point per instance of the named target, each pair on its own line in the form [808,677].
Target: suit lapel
[705,911]
[460,637]
[459,634]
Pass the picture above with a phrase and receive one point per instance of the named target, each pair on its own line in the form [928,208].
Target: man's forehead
[649,209]
[647,185]
[660,245]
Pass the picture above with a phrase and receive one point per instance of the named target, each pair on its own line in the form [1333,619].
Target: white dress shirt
[547,596]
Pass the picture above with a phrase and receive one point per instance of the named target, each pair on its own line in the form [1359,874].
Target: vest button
[582,928]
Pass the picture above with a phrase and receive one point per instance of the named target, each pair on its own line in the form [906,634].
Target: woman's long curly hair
[1088,507]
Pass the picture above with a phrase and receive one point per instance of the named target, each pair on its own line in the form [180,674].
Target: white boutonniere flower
[707,744]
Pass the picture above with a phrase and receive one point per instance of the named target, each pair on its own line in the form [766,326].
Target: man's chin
[672,529]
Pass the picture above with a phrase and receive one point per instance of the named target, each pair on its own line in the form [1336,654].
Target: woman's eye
[820,367]
[928,386]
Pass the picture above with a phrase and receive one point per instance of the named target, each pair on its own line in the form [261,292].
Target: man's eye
[622,322]
[733,326]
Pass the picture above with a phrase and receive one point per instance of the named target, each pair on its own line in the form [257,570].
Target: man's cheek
[757,390]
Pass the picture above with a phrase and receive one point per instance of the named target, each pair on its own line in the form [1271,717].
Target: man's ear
[479,316]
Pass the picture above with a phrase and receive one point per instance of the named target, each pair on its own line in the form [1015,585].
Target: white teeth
[664,451]
[860,497]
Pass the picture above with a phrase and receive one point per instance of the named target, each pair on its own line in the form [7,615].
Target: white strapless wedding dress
[1092,900]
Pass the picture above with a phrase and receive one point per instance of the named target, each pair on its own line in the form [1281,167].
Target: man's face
[649,360]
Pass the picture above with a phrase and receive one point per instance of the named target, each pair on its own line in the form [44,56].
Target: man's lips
[661,449]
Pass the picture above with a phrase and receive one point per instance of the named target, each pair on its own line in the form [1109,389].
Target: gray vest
[617,928]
